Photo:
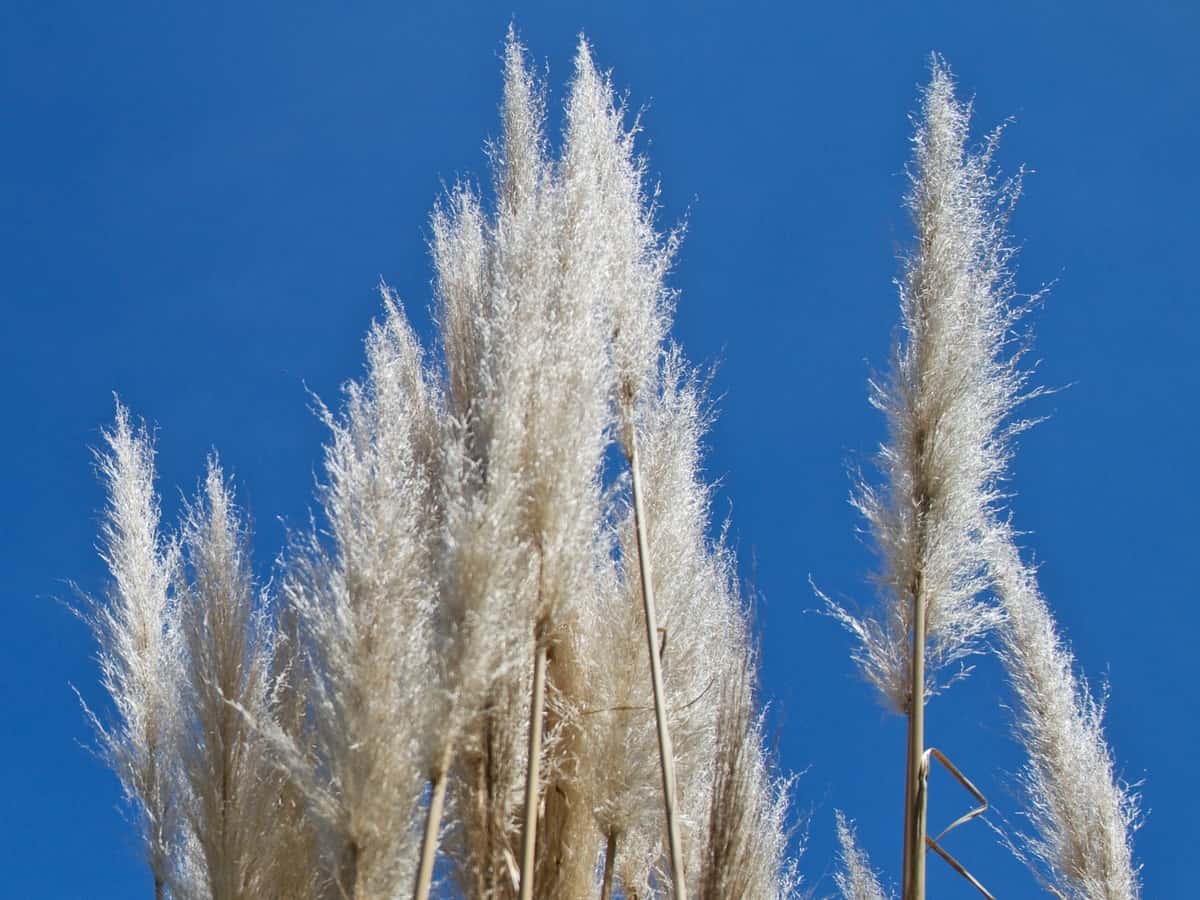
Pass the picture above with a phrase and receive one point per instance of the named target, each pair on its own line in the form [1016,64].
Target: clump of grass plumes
[461,651]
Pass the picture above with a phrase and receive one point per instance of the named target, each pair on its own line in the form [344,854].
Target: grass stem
[915,796]
[433,822]
[665,750]
[610,864]
[529,838]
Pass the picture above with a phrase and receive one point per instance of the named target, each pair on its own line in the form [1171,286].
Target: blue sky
[196,204]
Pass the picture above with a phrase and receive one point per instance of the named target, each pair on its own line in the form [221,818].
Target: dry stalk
[433,822]
[915,804]
[610,858]
[532,780]
[665,750]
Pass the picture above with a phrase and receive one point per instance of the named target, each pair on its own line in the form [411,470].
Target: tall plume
[365,607]
[632,260]
[1083,817]
[489,275]
[233,783]
[628,259]
[139,653]
[952,384]
[526,350]
[746,847]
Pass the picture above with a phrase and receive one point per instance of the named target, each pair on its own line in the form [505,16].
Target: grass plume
[137,631]
[855,879]
[1082,816]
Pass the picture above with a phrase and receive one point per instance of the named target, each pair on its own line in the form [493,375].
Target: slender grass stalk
[665,750]
[904,867]
[536,708]
[915,796]
[433,822]
[610,858]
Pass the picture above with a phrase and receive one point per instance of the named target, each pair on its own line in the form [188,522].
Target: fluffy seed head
[855,879]
[139,652]
[1082,816]
[953,384]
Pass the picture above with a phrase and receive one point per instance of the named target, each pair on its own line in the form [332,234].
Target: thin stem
[915,796]
[529,839]
[158,888]
[610,860]
[665,751]
[354,872]
[433,822]
[904,865]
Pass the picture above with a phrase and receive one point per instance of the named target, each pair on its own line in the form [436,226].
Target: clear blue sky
[196,204]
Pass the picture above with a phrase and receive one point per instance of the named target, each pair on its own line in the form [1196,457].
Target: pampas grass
[951,574]
[500,657]
[855,879]
[233,787]
[365,607]
[1082,816]
[947,398]
[140,653]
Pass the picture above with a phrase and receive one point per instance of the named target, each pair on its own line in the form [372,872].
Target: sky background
[198,201]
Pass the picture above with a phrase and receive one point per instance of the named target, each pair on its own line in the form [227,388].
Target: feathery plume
[954,382]
[746,851]
[856,879]
[232,782]
[366,607]
[296,858]
[952,385]
[627,258]
[601,209]
[139,653]
[1083,818]
[523,309]
[631,261]
[491,287]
